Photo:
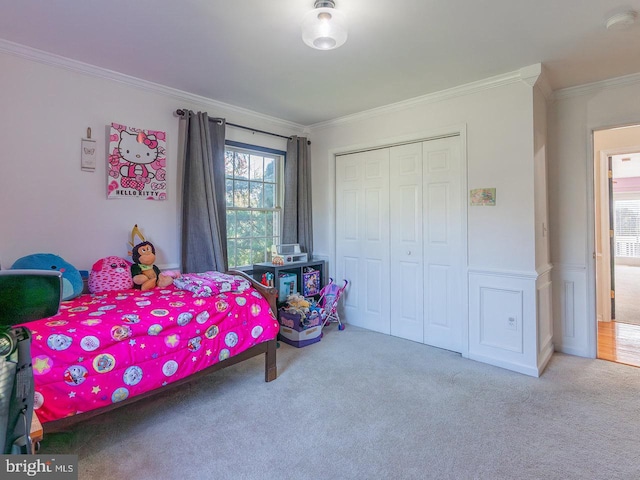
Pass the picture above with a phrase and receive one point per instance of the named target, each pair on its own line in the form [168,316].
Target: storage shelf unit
[295,268]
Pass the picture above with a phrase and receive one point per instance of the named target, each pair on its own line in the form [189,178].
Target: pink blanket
[102,349]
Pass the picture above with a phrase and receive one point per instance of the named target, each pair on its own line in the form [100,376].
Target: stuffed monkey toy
[144,273]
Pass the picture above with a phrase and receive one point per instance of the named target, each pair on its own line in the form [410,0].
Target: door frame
[592,291]
[602,238]
[425,135]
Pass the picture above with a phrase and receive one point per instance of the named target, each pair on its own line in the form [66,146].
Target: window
[627,228]
[253,192]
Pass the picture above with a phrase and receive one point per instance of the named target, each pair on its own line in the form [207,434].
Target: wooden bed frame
[270,368]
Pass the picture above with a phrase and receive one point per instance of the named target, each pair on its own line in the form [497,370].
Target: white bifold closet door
[419,206]
[406,246]
[362,232]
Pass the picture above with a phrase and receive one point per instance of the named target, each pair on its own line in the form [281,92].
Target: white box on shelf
[298,257]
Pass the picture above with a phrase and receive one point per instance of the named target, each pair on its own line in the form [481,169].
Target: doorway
[617,255]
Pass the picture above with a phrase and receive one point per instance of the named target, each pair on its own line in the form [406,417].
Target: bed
[105,351]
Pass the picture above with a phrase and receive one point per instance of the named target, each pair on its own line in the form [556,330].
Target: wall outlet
[512,323]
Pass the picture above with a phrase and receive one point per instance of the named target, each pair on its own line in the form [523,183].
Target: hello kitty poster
[137,163]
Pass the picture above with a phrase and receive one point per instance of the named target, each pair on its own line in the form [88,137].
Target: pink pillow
[110,274]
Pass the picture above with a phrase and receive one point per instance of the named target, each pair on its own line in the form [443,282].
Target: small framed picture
[483,197]
[137,163]
[88,155]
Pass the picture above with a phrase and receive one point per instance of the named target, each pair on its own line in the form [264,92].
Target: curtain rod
[181,113]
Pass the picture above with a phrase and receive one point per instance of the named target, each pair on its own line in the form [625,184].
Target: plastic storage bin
[294,331]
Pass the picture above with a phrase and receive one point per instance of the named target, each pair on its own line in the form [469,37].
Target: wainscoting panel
[569,309]
[545,318]
[572,320]
[504,313]
[501,319]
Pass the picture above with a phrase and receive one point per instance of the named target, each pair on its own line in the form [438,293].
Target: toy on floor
[328,302]
[305,310]
[297,302]
[300,321]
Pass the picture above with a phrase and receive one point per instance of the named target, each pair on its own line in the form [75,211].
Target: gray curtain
[297,221]
[204,221]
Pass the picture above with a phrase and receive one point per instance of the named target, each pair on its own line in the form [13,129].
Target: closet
[400,240]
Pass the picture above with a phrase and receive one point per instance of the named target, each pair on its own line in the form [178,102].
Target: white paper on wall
[88,155]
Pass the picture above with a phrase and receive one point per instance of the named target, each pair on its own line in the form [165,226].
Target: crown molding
[536,77]
[54,60]
[461,90]
[530,74]
[594,87]
[544,86]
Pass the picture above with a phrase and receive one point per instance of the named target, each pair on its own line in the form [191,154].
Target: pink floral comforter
[102,349]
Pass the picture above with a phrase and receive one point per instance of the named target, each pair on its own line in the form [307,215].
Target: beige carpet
[627,280]
[362,405]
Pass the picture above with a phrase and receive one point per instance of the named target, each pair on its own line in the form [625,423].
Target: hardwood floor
[619,342]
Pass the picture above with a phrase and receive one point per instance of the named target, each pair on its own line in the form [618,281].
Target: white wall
[574,115]
[508,302]
[499,126]
[47,204]
[541,194]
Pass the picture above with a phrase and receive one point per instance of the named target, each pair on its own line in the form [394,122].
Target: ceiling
[249,53]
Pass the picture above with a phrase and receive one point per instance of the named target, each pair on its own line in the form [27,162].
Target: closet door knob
[409,252]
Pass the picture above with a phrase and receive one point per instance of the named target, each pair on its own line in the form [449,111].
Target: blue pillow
[72,284]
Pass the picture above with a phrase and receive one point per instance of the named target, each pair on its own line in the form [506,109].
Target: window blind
[627,228]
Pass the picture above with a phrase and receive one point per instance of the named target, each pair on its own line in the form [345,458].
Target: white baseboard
[516,367]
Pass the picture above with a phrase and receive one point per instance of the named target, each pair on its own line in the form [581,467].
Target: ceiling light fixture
[621,21]
[324,27]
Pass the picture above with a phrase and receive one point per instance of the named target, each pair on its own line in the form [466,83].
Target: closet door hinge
[613,294]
